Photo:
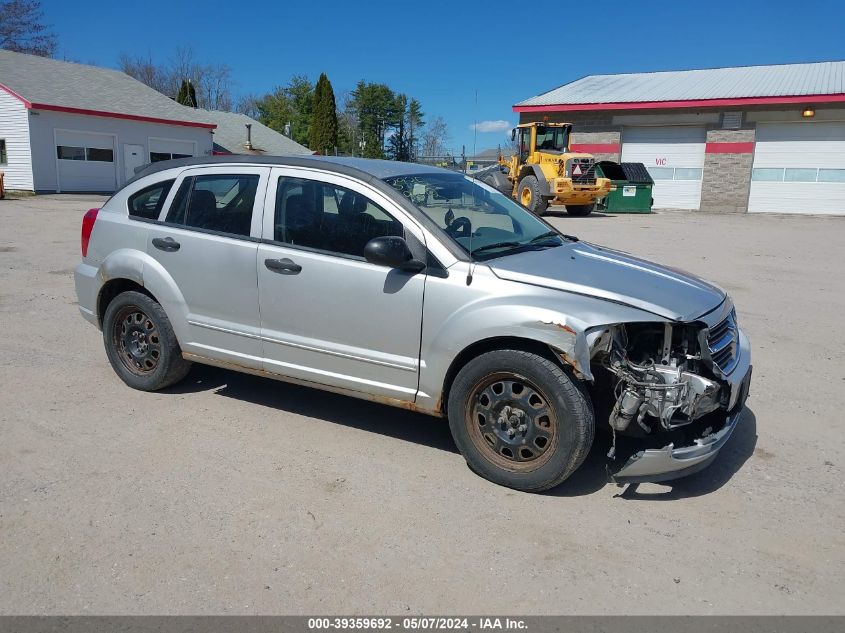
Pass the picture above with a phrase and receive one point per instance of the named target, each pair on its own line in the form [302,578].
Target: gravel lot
[237,494]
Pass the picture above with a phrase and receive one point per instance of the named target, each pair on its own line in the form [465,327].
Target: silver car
[419,288]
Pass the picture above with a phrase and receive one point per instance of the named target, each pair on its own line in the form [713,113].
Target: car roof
[348,165]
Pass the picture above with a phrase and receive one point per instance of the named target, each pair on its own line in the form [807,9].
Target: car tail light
[87,226]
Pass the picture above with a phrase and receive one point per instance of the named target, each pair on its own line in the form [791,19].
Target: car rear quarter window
[147,203]
[221,203]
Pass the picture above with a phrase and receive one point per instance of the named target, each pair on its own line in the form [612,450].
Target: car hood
[612,275]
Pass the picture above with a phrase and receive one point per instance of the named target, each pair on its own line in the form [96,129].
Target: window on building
[662,173]
[147,202]
[3,158]
[767,174]
[220,203]
[328,217]
[99,155]
[66,152]
[800,175]
[797,174]
[156,157]
[675,173]
[688,173]
[831,175]
[96,154]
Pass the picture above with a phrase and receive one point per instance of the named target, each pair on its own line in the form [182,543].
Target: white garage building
[753,138]
[68,127]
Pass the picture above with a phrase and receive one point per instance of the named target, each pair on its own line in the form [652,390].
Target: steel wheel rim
[526,196]
[511,422]
[136,340]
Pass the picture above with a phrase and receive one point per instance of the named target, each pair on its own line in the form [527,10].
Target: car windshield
[483,222]
[551,138]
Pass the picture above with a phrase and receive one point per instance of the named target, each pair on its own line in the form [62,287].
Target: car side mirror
[393,252]
[513,134]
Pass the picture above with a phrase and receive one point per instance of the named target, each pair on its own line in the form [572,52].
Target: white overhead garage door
[799,168]
[674,156]
[85,161]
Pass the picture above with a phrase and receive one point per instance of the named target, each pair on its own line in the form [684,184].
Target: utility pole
[475,127]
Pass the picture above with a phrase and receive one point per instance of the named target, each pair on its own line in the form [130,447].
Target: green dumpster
[630,187]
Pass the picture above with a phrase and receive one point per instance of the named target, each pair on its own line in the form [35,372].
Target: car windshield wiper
[548,234]
[538,241]
[544,236]
[489,247]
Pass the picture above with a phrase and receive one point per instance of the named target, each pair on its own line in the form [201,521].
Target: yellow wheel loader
[545,171]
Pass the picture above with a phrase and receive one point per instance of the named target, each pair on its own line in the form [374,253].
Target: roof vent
[248,143]
[731,120]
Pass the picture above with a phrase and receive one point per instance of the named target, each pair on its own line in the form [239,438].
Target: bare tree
[214,87]
[435,137]
[348,125]
[21,28]
[248,105]
[147,72]
[213,82]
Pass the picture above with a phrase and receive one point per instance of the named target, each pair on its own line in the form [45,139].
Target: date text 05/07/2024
[417,623]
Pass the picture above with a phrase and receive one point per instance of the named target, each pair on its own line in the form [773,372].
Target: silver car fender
[144,270]
[458,318]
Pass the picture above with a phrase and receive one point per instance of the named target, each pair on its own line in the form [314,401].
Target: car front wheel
[520,420]
[140,343]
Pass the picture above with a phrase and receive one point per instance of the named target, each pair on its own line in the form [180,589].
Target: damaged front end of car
[674,390]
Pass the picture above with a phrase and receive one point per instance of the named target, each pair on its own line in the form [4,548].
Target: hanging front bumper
[667,463]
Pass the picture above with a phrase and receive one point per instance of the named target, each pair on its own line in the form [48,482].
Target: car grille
[588,170]
[722,343]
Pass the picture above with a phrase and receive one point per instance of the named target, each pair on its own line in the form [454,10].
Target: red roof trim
[118,115]
[692,103]
[596,148]
[729,148]
[15,95]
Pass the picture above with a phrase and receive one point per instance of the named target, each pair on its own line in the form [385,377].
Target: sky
[467,62]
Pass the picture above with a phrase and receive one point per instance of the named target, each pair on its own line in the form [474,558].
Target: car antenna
[471,268]
[474,139]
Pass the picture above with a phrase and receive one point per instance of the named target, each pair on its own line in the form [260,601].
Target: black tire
[140,343]
[580,210]
[475,413]
[537,204]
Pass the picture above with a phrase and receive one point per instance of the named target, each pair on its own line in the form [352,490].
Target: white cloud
[491,126]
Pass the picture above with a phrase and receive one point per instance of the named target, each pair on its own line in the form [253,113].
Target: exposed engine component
[658,370]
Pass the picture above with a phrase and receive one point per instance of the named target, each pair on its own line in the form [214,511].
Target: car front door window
[328,217]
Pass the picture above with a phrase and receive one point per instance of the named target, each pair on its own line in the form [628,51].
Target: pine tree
[292,104]
[415,123]
[398,142]
[187,94]
[324,129]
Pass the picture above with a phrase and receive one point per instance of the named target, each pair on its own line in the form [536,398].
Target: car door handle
[283,266]
[166,244]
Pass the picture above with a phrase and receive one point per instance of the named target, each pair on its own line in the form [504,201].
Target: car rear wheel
[580,210]
[520,420]
[140,343]
[528,195]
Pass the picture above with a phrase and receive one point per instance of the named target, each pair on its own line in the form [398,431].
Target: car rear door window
[147,203]
[221,203]
[328,217]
